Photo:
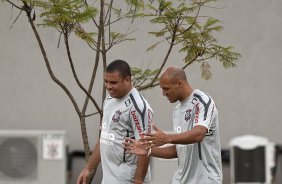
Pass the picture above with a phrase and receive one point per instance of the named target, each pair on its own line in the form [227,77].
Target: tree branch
[92,114]
[13,4]
[97,58]
[151,84]
[75,75]
[53,77]
[94,21]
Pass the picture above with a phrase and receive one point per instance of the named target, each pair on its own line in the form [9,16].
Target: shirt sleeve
[204,112]
[141,121]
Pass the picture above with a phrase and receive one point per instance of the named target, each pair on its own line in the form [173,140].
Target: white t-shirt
[126,117]
[198,163]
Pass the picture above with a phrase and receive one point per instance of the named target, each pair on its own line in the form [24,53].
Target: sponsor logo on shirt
[210,132]
[106,138]
[116,116]
[212,114]
[103,126]
[197,112]
[177,129]
[188,114]
[150,115]
[135,119]
[103,141]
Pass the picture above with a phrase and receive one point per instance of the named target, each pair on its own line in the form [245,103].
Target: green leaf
[64,14]
[88,37]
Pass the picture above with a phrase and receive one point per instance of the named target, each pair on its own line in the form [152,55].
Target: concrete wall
[247,96]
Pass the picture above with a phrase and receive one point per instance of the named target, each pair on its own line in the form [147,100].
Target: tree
[177,23]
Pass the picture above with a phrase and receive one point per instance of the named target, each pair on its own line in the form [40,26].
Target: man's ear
[128,80]
[179,83]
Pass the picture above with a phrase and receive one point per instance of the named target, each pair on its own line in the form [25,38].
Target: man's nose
[108,85]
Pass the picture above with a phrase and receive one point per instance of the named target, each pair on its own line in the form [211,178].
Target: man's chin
[115,95]
[171,100]
[112,95]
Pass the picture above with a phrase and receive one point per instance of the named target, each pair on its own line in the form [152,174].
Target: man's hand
[82,178]
[135,147]
[155,139]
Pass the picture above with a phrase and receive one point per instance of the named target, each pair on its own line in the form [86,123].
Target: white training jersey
[198,163]
[126,117]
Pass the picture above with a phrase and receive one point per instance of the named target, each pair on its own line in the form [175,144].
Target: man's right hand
[82,178]
[135,147]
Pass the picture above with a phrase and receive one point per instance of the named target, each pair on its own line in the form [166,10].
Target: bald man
[196,140]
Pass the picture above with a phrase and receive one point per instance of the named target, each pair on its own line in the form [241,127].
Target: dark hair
[120,66]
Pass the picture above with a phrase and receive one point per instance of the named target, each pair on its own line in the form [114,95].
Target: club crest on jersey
[116,116]
[188,114]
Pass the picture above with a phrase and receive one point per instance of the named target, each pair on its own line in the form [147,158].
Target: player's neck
[127,90]
[187,91]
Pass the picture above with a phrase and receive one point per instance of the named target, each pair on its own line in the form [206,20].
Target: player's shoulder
[138,100]
[135,94]
[201,96]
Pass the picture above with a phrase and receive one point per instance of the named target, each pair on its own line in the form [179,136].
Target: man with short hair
[126,113]
[196,140]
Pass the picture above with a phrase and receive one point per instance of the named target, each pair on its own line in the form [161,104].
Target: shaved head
[174,84]
[174,74]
